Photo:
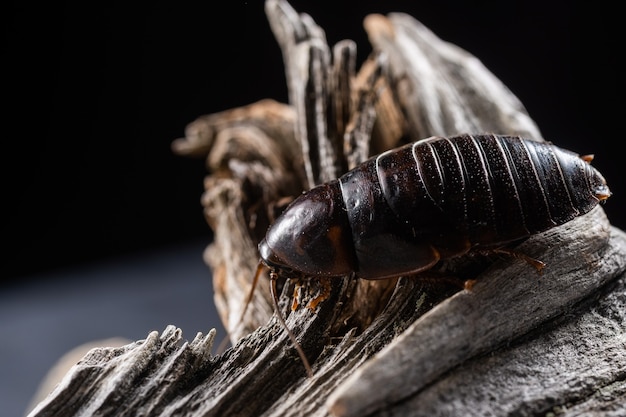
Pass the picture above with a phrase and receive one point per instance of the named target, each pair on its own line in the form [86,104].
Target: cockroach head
[312,236]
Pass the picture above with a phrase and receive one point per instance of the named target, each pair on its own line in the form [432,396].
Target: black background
[93,98]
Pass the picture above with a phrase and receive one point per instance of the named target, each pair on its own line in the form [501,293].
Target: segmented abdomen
[489,188]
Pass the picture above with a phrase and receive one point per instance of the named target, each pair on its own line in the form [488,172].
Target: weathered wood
[442,89]
[494,312]
[255,163]
[516,343]
[467,355]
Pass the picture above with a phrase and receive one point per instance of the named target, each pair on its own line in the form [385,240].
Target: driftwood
[515,343]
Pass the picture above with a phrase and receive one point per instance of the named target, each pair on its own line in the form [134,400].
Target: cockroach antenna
[273,277]
[305,361]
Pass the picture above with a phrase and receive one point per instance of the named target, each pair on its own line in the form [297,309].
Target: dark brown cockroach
[401,212]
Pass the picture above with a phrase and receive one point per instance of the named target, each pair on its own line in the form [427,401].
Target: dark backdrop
[94,97]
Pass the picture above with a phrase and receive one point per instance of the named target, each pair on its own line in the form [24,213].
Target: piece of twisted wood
[516,343]
[506,302]
[442,89]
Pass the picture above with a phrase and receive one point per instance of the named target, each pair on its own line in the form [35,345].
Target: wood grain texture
[497,355]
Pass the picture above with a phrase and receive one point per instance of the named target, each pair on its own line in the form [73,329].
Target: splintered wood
[516,344]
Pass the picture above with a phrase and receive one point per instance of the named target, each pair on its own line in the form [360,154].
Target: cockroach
[401,212]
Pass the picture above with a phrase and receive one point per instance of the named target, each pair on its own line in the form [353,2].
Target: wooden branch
[515,343]
[442,89]
[496,311]
[493,350]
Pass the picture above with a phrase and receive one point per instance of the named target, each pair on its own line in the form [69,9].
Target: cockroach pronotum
[401,212]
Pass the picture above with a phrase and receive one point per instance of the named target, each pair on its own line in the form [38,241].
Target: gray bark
[515,343]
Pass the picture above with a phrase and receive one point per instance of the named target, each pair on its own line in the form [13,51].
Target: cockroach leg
[323,295]
[535,263]
[587,158]
[305,361]
[468,285]
[296,295]
[292,337]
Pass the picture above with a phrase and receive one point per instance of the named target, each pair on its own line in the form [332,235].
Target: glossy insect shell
[402,211]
